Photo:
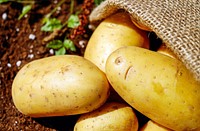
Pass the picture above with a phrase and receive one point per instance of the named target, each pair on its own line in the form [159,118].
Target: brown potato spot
[20,88]
[118,60]
[191,108]
[54,94]
[65,69]
[30,95]
[41,87]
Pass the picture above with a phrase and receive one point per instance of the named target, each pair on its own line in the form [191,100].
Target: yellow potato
[163,49]
[153,126]
[114,32]
[59,85]
[156,85]
[139,24]
[111,116]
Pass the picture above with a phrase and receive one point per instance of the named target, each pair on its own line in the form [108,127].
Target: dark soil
[17,49]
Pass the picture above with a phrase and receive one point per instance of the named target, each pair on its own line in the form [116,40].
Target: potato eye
[118,60]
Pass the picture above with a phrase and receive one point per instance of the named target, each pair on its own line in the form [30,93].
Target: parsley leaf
[61,51]
[25,10]
[2,1]
[61,46]
[68,44]
[55,44]
[73,21]
[51,24]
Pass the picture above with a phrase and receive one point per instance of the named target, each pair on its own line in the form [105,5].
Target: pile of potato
[118,58]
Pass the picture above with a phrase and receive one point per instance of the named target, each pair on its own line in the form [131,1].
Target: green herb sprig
[61,46]
[19,1]
[25,10]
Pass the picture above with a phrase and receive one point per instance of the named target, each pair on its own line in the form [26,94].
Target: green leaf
[68,44]
[55,44]
[25,10]
[2,1]
[45,19]
[51,24]
[73,21]
[98,2]
[61,51]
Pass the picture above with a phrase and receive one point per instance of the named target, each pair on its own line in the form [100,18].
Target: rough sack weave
[176,22]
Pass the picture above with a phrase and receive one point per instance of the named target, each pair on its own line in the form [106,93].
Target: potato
[153,126]
[163,49]
[111,116]
[156,85]
[139,24]
[59,85]
[112,33]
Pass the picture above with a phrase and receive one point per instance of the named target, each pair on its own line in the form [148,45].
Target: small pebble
[82,43]
[34,30]
[30,56]
[17,29]
[15,123]
[32,36]
[91,27]
[59,8]
[9,65]
[4,16]
[51,51]
[18,63]
[31,46]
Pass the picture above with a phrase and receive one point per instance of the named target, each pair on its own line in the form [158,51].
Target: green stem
[23,1]
[54,10]
[72,7]
[71,11]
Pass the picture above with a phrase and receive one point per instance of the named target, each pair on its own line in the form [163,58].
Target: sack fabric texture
[176,22]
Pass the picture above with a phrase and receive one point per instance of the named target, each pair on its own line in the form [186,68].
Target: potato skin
[112,116]
[153,126]
[139,24]
[59,85]
[156,85]
[163,49]
[112,33]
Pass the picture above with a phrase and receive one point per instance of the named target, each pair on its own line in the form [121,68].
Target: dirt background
[17,48]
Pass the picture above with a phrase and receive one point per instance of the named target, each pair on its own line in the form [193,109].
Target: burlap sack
[176,22]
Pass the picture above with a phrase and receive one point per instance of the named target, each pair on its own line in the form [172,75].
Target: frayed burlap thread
[176,22]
